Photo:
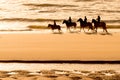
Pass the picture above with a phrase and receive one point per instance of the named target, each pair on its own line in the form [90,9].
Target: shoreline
[43,27]
[63,61]
[49,31]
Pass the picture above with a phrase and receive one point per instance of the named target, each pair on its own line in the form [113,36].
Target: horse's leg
[74,27]
[96,29]
[59,29]
[69,29]
[88,27]
[105,29]
[53,31]
[91,27]
[80,29]
[83,29]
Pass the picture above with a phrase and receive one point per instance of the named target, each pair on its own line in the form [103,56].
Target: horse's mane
[50,24]
[80,19]
[66,20]
[94,20]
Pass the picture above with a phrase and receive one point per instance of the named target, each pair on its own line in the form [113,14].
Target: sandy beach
[65,46]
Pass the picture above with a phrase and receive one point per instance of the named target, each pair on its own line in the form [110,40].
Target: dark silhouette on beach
[84,24]
[55,26]
[98,23]
[54,23]
[85,19]
[98,19]
[69,24]
[70,20]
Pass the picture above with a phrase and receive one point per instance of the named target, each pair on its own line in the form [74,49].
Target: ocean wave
[76,10]
[109,0]
[96,3]
[84,0]
[51,11]
[49,5]
[29,20]
[93,0]
[46,20]
[12,30]
[111,11]
[79,10]
[112,21]
[37,27]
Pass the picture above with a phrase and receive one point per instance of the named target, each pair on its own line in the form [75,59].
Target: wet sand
[65,46]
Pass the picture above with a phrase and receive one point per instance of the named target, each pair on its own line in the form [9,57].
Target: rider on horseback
[98,19]
[54,23]
[85,19]
[70,20]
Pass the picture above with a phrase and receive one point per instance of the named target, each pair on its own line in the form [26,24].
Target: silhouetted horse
[55,27]
[68,24]
[85,24]
[99,24]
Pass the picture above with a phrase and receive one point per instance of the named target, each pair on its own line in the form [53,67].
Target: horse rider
[98,19]
[54,23]
[70,20]
[85,19]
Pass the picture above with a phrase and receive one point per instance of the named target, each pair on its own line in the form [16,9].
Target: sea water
[58,66]
[18,14]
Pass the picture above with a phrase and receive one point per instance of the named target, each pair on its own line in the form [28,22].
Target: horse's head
[80,19]
[64,21]
[93,20]
[49,25]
